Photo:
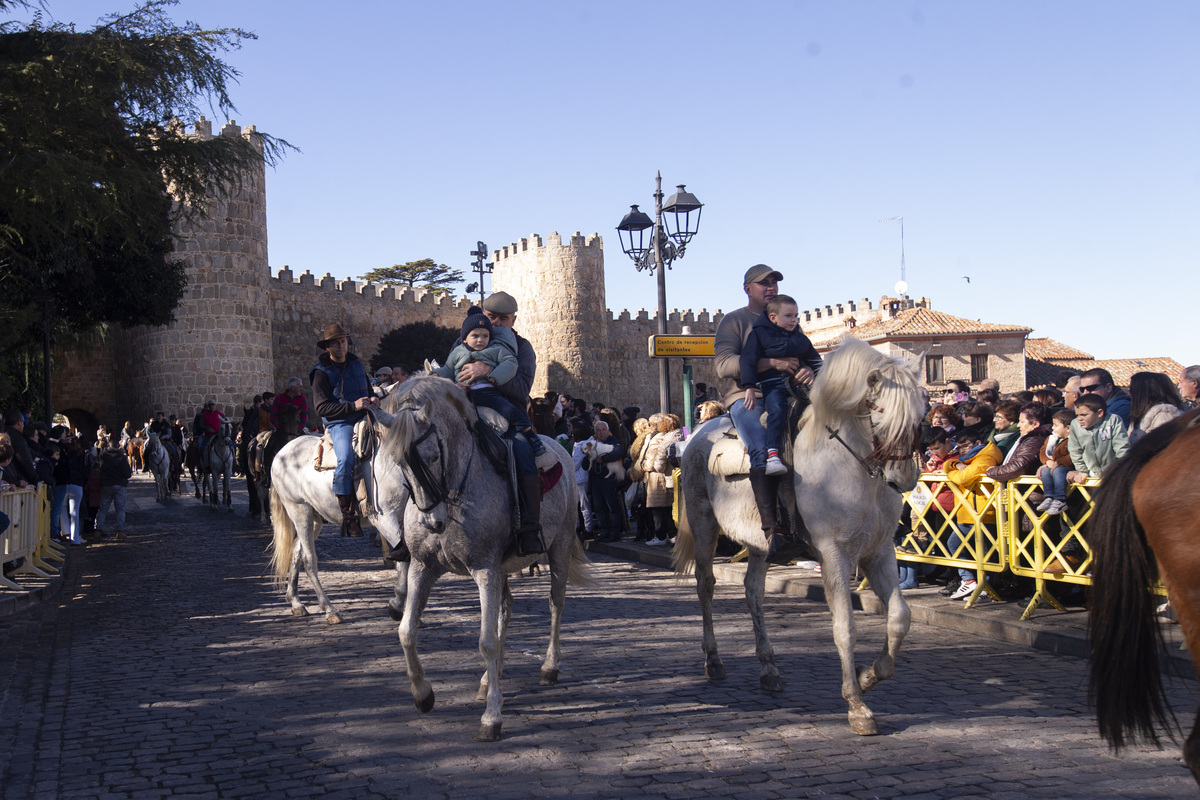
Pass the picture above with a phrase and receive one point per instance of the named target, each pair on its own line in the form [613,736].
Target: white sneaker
[775,466]
[656,542]
[964,590]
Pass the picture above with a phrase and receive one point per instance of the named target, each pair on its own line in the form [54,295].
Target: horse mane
[846,381]
[421,393]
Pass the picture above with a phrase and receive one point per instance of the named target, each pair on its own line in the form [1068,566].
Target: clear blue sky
[1049,151]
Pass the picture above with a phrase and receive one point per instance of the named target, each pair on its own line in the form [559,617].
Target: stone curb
[38,591]
[1051,631]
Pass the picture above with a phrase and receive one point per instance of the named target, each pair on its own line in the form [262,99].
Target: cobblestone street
[168,666]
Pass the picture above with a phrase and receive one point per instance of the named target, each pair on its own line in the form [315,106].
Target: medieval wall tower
[219,346]
[560,293]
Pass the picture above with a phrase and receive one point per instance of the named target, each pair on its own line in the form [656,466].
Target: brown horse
[134,448]
[1149,501]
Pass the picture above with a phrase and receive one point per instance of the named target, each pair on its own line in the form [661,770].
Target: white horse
[158,461]
[219,461]
[853,458]
[302,500]
[459,522]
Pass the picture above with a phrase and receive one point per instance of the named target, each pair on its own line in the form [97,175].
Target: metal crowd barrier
[28,535]
[1008,534]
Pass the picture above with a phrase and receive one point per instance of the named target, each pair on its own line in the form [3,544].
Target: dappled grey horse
[459,522]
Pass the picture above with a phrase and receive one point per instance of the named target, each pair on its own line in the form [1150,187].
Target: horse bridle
[880,455]
[434,486]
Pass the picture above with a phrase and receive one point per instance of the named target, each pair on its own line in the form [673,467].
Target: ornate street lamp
[654,246]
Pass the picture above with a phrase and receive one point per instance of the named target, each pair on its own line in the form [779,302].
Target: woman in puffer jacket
[659,496]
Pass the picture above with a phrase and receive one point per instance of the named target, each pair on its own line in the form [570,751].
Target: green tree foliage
[426,274]
[411,344]
[89,144]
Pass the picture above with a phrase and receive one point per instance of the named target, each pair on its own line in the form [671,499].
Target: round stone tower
[560,296]
[219,346]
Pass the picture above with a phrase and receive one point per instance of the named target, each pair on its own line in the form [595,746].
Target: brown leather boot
[400,552]
[349,507]
[529,535]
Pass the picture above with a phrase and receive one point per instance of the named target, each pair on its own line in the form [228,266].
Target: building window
[978,367]
[933,370]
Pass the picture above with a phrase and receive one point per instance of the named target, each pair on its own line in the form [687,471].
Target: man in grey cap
[761,283]
[501,310]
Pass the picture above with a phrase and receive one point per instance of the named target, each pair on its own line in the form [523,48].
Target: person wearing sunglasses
[1100,383]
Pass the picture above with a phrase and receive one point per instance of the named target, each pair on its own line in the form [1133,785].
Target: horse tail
[579,569]
[1125,687]
[283,541]
[683,556]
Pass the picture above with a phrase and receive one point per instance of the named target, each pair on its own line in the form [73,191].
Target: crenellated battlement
[535,242]
[202,130]
[418,296]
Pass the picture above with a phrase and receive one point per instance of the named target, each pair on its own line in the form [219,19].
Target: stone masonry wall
[300,308]
[219,346]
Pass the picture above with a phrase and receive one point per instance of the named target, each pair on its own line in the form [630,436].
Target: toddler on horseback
[495,346]
[776,334]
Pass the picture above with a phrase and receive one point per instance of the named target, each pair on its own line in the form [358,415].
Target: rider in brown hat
[341,394]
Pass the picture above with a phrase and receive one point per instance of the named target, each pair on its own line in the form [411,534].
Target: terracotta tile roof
[1050,350]
[919,322]
[1040,373]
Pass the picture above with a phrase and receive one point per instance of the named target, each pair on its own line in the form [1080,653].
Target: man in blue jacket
[341,394]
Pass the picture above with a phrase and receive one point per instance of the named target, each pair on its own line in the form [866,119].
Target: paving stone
[168,666]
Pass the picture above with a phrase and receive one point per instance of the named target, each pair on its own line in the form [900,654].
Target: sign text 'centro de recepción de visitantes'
[682,346]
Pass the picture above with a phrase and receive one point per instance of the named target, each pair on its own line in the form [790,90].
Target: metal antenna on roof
[902,284]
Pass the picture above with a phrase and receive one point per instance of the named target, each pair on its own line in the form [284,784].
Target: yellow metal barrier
[1041,552]
[983,548]
[21,540]
[47,548]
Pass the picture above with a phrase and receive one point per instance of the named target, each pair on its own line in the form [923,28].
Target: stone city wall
[301,307]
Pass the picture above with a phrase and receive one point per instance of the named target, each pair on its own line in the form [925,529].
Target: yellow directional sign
[682,346]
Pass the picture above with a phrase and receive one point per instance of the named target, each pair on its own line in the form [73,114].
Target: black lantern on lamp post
[654,246]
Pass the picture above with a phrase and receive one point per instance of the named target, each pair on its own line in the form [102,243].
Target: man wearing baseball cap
[760,283]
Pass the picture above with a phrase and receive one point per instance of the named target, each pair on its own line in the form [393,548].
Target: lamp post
[480,265]
[653,245]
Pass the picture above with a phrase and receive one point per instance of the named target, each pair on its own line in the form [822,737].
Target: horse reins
[431,484]
[880,454]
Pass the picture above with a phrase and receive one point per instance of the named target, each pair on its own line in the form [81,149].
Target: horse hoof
[714,671]
[425,704]
[394,613]
[772,683]
[864,726]
[549,677]
[299,612]
[867,679]
[488,733]
[333,618]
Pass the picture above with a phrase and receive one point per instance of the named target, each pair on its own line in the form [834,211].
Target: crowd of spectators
[1064,434]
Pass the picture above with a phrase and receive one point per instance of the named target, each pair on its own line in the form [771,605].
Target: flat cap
[500,303]
[760,271]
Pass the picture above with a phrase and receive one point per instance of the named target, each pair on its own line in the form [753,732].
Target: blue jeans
[955,541]
[57,499]
[754,436]
[493,399]
[775,400]
[1054,482]
[342,434]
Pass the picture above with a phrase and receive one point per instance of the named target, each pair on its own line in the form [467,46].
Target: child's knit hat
[475,319]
